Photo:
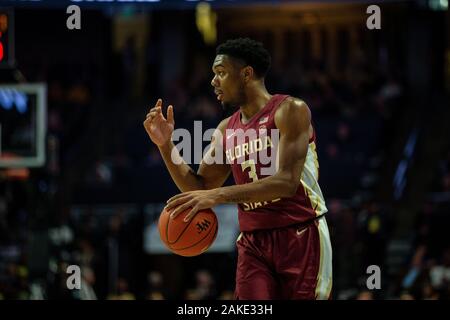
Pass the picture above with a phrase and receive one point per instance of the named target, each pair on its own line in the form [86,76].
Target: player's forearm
[270,188]
[182,174]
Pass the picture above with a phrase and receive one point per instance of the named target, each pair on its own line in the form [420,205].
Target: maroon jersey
[251,150]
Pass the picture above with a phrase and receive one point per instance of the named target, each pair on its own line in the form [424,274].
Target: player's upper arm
[212,173]
[293,119]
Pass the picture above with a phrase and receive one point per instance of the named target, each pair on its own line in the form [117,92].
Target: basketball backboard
[23,126]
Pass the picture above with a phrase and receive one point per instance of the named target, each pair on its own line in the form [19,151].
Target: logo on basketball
[202,226]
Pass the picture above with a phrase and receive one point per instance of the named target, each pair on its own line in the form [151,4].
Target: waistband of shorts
[298,226]
[305,224]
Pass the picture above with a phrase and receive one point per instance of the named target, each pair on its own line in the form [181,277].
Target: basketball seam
[217,228]
[212,239]
[181,233]
[215,234]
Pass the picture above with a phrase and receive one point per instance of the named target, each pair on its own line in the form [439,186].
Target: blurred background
[82,184]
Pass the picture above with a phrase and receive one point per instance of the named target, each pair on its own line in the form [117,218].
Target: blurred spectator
[429,292]
[405,295]
[155,286]
[440,273]
[123,292]
[226,295]
[205,287]
[365,295]
[87,281]
[374,230]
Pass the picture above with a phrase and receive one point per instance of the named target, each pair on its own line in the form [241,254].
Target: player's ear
[247,73]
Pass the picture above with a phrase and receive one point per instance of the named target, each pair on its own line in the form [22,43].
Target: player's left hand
[197,200]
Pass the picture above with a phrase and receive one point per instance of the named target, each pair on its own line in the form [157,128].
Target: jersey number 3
[252,172]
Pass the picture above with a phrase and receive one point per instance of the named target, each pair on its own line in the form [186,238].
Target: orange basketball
[190,238]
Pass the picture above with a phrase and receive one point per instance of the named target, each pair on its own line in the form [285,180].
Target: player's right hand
[158,128]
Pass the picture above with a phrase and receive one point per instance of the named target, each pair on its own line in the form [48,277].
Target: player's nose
[214,82]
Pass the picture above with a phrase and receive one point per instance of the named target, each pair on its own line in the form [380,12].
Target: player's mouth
[219,94]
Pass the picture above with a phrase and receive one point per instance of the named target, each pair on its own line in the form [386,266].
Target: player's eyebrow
[217,66]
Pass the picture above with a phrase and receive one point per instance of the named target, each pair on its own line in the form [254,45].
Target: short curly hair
[251,52]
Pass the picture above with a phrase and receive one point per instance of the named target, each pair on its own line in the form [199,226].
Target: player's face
[227,82]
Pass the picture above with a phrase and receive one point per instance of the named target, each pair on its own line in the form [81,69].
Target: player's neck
[257,99]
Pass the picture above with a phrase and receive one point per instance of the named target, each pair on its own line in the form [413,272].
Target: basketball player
[284,249]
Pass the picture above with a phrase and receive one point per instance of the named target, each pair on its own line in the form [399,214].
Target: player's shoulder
[292,108]
[294,104]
